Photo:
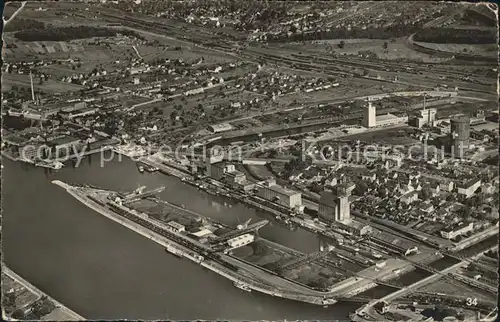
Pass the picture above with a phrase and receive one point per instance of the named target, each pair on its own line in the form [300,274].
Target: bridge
[235,233]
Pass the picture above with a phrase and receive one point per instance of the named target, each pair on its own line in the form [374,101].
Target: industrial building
[334,204]
[459,133]
[425,117]
[234,177]
[218,128]
[269,190]
[79,113]
[65,145]
[469,188]
[370,118]
[450,232]
[390,119]
[240,241]
[210,163]
[176,227]
[369,115]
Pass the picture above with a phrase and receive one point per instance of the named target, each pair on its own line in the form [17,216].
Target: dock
[235,270]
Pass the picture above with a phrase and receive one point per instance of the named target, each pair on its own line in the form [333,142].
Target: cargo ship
[173,251]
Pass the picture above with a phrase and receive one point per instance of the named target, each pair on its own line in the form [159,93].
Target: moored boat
[242,286]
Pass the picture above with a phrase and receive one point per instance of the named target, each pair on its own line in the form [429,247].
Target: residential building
[409,197]
[447,185]
[488,188]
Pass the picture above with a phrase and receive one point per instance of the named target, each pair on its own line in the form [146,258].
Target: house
[409,197]
[369,176]
[426,207]
[447,185]
[405,189]
[488,188]
[435,188]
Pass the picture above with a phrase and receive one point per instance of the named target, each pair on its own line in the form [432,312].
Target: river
[102,270]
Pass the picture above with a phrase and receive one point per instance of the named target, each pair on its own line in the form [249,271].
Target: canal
[102,270]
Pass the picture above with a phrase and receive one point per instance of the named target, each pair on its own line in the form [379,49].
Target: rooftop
[386,117]
[63,140]
[283,191]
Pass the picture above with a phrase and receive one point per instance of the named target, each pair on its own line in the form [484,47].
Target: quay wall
[217,268]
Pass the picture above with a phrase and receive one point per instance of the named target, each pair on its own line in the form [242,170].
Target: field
[10,8]
[483,50]
[396,49]
[9,80]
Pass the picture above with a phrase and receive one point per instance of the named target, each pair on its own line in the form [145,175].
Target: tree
[17,314]
[425,193]
[341,44]
[173,115]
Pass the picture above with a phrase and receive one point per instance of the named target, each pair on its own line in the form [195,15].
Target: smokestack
[32,88]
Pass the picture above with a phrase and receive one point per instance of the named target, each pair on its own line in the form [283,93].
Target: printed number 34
[471,301]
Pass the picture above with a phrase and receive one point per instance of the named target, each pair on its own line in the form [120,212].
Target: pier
[236,270]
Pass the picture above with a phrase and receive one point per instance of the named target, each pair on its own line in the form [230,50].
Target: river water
[103,270]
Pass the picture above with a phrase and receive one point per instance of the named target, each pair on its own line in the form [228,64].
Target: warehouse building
[454,231]
[218,128]
[240,241]
[280,195]
[176,227]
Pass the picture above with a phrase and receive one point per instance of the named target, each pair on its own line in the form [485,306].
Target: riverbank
[248,278]
[115,265]
[61,312]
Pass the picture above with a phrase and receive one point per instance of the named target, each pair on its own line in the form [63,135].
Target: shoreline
[245,280]
[71,315]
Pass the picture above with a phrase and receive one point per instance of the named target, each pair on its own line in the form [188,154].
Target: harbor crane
[297,262]
[141,193]
[238,232]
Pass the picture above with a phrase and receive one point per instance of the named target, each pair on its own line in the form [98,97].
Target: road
[18,11]
[144,103]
